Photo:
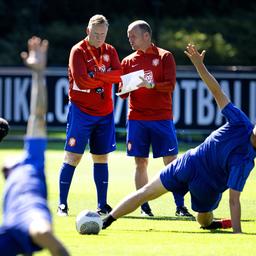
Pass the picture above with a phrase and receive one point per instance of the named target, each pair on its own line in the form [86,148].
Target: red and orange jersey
[85,76]
[160,68]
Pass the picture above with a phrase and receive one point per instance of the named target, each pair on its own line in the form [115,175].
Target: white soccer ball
[88,222]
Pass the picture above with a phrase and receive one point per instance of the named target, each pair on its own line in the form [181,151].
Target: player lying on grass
[223,161]
[27,224]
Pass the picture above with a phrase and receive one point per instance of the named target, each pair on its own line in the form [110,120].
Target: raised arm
[40,230]
[212,84]
[36,59]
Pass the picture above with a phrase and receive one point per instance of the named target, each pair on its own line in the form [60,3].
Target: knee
[100,159]
[205,218]
[169,159]
[141,163]
[72,158]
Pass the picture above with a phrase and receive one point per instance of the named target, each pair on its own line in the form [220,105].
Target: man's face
[136,38]
[97,34]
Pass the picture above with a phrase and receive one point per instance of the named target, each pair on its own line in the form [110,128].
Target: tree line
[224,27]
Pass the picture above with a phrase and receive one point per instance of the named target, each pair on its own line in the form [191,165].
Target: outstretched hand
[36,57]
[193,54]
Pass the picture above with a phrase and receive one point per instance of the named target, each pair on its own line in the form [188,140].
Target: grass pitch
[133,235]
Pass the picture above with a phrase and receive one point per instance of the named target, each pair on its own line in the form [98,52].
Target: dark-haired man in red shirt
[150,119]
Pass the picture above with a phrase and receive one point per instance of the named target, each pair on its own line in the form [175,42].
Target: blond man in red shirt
[93,68]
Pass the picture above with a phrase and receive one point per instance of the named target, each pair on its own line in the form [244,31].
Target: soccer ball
[88,222]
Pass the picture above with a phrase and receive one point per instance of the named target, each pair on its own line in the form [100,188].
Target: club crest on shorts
[72,142]
[129,146]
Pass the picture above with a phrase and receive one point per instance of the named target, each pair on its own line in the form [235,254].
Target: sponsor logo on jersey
[106,57]
[148,75]
[155,62]
[72,142]
[102,68]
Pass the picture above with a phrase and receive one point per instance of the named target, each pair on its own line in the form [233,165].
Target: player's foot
[182,211]
[107,221]
[62,210]
[146,210]
[104,210]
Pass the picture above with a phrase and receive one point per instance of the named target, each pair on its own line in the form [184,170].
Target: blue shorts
[82,128]
[8,245]
[160,134]
[180,177]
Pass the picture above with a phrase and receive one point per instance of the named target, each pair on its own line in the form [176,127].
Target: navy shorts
[98,131]
[161,135]
[180,176]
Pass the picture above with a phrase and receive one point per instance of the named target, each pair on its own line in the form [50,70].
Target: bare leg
[141,175]
[152,190]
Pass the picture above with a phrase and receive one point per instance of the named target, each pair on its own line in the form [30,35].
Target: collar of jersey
[152,49]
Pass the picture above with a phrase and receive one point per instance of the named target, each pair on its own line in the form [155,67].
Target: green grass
[134,235]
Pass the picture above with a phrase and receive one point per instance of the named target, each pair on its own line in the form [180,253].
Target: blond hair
[97,19]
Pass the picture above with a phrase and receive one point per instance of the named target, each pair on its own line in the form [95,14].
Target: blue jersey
[25,196]
[224,160]
[226,157]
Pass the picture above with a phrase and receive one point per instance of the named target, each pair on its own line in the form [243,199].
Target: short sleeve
[239,174]
[235,116]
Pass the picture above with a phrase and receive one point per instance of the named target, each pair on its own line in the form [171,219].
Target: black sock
[214,225]
[108,221]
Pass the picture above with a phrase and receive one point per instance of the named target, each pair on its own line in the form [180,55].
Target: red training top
[85,75]
[160,68]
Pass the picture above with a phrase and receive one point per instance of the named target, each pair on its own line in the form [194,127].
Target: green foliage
[216,36]
[178,40]
[62,37]
[225,29]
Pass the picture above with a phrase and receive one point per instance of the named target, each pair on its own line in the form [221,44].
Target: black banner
[193,106]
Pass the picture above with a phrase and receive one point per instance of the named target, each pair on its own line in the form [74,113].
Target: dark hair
[4,128]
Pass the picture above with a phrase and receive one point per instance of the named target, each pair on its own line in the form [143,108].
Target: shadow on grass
[200,231]
[169,218]
[172,218]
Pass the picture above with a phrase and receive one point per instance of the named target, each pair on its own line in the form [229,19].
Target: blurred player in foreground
[27,223]
[223,161]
